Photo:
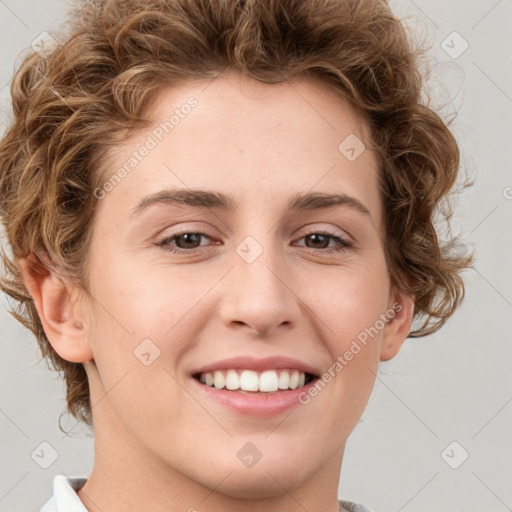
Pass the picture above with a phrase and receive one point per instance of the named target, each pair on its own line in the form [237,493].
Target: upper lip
[251,363]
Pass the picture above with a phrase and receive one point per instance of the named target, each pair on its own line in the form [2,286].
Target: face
[260,274]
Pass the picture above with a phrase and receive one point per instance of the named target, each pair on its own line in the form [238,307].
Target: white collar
[65,498]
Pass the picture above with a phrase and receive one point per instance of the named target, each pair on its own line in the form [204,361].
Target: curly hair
[70,106]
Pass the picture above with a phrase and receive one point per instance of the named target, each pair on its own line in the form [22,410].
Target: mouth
[259,387]
[251,382]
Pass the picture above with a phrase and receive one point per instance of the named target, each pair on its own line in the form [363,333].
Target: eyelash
[165,243]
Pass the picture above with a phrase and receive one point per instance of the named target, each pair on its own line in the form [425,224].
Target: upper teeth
[249,380]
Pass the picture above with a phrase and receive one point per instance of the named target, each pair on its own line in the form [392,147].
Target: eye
[186,241]
[321,237]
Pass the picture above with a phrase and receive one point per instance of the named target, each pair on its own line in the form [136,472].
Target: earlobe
[63,325]
[400,316]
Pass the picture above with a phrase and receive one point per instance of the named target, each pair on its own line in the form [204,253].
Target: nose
[258,296]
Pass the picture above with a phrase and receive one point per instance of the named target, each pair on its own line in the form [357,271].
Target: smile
[243,380]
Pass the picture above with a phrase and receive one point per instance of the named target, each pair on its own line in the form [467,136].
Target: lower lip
[257,404]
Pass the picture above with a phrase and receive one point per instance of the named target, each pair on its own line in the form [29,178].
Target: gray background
[452,386]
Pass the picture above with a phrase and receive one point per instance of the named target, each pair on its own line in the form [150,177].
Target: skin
[159,445]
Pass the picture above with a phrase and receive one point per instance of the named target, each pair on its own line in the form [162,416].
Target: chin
[265,479]
[256,486]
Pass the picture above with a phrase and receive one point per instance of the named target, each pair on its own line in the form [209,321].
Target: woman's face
[268,275]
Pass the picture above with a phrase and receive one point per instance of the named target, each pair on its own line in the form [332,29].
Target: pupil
[187,237]
[316,236]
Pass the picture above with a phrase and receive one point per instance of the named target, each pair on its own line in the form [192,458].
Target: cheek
[348,309]
[143,322]
[140,299]
[350,302]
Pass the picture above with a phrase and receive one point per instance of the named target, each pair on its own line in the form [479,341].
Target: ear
[62,321]
[400,313]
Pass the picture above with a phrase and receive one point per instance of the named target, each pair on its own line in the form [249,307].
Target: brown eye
[188,240]
[320,240]
[185,242]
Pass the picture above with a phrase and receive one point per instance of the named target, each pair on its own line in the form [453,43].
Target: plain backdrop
[436,434]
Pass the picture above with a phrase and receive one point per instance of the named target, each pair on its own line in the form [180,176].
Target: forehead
[251,140]
[234,102]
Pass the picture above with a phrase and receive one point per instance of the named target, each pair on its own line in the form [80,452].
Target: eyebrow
[219,201]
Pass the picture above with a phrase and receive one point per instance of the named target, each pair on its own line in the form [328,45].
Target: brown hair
[72,105]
